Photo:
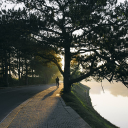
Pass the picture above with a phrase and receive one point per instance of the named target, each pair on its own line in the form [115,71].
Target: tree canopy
[19,52]
[93,33]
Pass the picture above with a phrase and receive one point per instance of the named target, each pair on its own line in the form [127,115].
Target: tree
[17,49]
[43,64]
[93,32]
[10,36]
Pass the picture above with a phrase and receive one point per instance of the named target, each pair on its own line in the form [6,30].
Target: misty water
[112,103]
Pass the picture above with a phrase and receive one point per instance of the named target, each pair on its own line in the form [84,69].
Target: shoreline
[90,103]
[80,100]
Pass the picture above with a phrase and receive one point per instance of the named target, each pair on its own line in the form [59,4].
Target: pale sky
[120,1]
[2,3]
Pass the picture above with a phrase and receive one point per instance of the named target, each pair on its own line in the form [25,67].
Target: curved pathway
[44,110]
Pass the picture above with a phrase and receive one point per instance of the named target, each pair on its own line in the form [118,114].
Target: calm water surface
[112,104]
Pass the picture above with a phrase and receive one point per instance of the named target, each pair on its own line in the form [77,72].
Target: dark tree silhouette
[92,33]
[17,49]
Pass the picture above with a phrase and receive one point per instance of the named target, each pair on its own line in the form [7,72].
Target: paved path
[10,98]
[44,110]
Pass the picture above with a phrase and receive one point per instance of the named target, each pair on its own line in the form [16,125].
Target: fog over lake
[112,104]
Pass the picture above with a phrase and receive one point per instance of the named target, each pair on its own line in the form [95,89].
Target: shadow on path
[49,94]
[48,113]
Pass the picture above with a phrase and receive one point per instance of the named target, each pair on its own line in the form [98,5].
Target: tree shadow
[49,94]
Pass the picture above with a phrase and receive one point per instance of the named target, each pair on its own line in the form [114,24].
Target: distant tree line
[18,53]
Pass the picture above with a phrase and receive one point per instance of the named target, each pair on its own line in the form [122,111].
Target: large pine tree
[90,33]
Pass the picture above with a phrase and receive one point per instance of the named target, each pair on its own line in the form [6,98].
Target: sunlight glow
[62,57]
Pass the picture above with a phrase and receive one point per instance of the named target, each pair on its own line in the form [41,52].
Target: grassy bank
[80,101]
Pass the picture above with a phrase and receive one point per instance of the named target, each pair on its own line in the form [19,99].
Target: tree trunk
[3,70]
[67,85]
[26,75]
[19,67]
[9,65]
[6,70]
[18,64]
[22,71]
[32,73]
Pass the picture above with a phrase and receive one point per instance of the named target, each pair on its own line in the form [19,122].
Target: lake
[112,103]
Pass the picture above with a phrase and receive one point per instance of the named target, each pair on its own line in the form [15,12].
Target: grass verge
[80,101]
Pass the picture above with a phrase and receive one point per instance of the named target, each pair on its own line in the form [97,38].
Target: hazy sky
[2,1]
[120,1]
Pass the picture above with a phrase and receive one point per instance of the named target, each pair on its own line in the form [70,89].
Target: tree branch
[53,60]
[86,75]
